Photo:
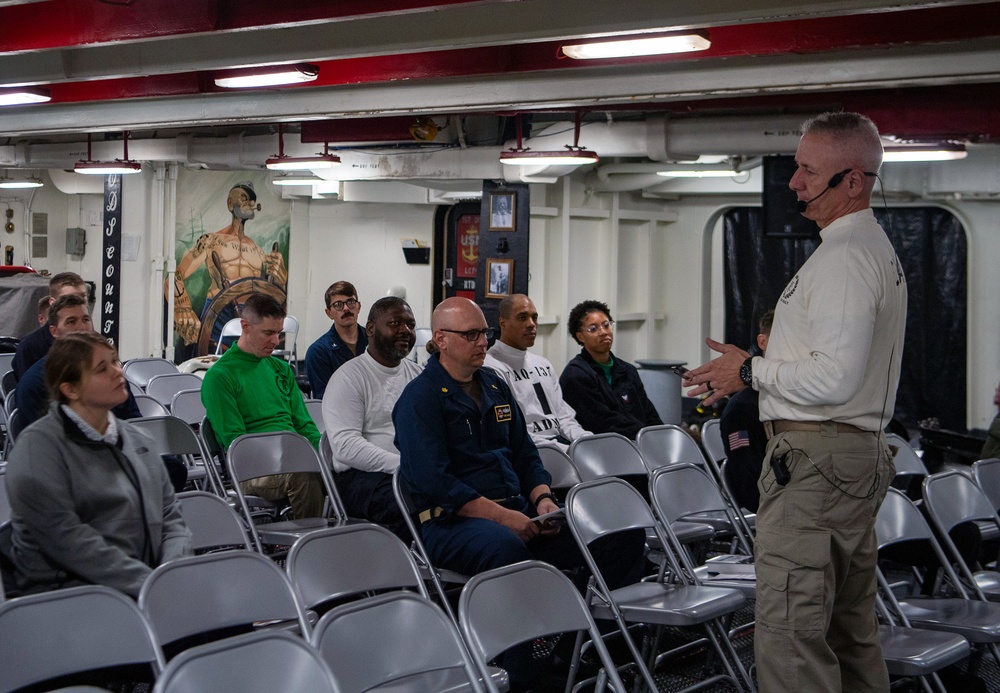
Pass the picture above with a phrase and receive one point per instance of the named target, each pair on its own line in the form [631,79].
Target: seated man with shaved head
[474,472]
[531,377]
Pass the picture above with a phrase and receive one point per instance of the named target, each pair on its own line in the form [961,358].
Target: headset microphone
[834,181]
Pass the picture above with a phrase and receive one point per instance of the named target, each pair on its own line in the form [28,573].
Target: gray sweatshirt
[85,512]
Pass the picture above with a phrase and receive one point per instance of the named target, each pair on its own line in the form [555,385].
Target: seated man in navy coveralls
[476,475]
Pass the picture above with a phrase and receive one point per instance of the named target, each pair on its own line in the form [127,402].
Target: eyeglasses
[606,325]
[473,335]
[349,303]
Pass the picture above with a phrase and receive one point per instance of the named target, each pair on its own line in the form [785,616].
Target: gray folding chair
[232,329]
[917,653]
[254,455]
[670,444]
[288,352]
[4,500]
[315,408]
[140,371]
[397,641]
[711,440]
[685,491]
[162,388]
[149,407]
[978,621]
[263,662]
[213,523]
[612,454]
[174,437]
[559,465]
[607,506]
[986,472]
[910,469]
[344,562]
[14,427]
[186,405]
[525,601]
[953,498]
[70,631]
[200,596]
[438,576]
[8,382]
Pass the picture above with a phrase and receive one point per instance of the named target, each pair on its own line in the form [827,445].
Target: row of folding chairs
[267,633]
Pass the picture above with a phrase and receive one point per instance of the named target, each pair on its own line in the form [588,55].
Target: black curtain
[931,245]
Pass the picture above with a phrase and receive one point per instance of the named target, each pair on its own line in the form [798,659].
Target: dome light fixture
[89,167]
[266,76]
[281,162]
[573,155]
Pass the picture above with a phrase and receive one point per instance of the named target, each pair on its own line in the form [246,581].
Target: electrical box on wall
[76,241]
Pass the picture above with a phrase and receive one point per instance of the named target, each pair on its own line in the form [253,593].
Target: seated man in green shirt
[250,391]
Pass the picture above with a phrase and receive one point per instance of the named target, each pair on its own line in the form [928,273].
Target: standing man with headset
[827,389]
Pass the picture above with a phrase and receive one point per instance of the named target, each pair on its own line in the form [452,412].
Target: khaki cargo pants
[815,557]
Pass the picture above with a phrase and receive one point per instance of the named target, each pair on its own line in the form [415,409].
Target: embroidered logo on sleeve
[502,412]
[739,439]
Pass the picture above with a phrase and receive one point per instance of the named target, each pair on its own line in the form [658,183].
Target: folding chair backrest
[900,520]
[15,424]
[906,459]
[54,634]
[953,498]
[7,383]
[343,562]
[520,603]
[140,371]
[212,521]
[606,454]
[680,490]
[398,638]
[987,474]
[667,444]
[711,439]
[199,594]
[186,405]
[233,328]
[171,435]
[315,409]
[559,465]
[604,506]
[162,388]
[4,501]
[265,662]
[254,455]
[149,406]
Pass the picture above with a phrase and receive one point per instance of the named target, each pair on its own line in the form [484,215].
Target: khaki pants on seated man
[303,491]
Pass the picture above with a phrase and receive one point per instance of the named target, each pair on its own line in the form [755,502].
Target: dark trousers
[368,496]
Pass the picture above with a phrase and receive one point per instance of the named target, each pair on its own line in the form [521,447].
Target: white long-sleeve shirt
[357,409]
[535,385]
[835,347]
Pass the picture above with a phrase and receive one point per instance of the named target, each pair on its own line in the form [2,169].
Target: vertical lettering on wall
[111,296]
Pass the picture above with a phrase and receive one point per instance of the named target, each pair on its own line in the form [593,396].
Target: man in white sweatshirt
[532,378]
[357,410]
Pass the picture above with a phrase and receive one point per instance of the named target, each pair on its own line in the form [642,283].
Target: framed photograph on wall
[502,211]
[499,277]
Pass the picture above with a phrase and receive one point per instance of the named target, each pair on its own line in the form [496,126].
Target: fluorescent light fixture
[20,183]
[692,173]
[303,163]
[122,167]
[911,154]
[296,180]
[266,76]
[107,168]
[628,48]
[573,156]
[19,96]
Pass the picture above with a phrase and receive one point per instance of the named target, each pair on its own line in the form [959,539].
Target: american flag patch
[739,439]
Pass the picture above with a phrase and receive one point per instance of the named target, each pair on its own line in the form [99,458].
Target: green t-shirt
[606,368]
[246,394]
